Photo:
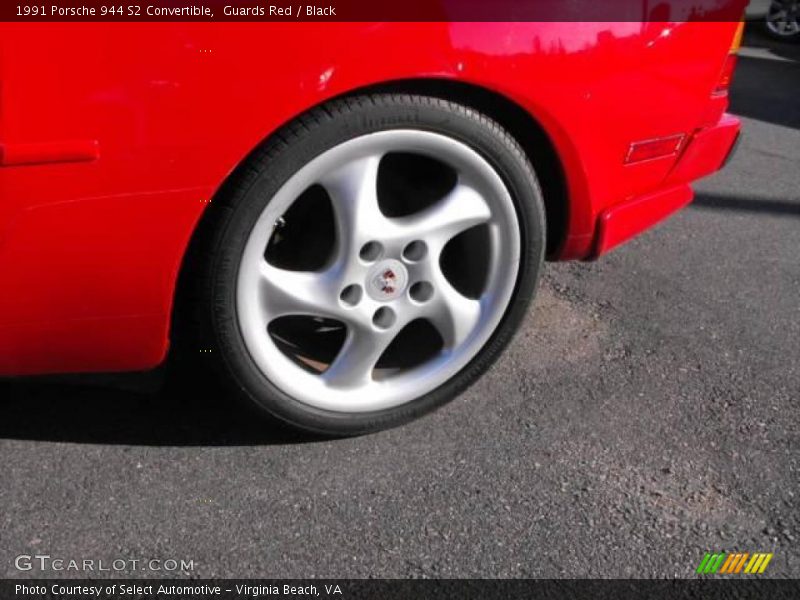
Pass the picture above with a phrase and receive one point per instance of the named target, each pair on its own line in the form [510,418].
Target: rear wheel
[372,261]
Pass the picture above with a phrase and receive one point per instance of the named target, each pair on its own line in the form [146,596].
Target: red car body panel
[115,137]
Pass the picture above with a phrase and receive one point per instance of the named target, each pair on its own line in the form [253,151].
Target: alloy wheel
[399,291]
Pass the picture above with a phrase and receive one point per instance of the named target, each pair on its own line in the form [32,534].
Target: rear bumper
[708,151]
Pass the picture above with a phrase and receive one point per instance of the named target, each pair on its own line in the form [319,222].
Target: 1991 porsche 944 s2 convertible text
[347,220]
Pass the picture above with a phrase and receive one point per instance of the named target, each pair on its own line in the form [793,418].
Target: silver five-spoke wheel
[368,262]
[383,274]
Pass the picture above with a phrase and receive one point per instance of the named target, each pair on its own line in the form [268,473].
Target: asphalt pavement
[647,413]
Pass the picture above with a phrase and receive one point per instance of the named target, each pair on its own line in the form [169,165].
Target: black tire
[243,198]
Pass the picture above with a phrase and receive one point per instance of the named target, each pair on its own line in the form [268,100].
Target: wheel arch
[520,123]
[528,131]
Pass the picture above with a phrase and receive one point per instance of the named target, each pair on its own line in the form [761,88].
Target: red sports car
[346,220]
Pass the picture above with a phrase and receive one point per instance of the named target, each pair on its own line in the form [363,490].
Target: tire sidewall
[292,149]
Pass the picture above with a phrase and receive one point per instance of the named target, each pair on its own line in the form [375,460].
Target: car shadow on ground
[710,201]
[114,411]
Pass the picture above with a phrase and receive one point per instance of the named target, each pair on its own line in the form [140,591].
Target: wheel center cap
[387,280]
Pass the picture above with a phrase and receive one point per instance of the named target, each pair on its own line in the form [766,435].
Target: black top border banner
[38,11]
[742,588]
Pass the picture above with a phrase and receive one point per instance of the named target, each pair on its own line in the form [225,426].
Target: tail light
[726,76]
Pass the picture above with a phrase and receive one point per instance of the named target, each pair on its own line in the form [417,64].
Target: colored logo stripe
[733,562]
[765,562]
[703,563]
[711,562]
[740,564]
[758,563]
[729,562]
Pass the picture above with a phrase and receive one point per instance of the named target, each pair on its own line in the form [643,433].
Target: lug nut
[384,318]
[415,251]
[351,295]
[371,251]
[421,291]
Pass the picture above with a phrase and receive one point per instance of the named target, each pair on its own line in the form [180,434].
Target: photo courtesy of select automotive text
[469,299]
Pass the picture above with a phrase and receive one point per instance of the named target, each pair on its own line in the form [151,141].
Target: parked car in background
[345,221]
[780,18]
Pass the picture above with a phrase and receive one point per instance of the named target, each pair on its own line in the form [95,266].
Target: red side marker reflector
[657,148]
